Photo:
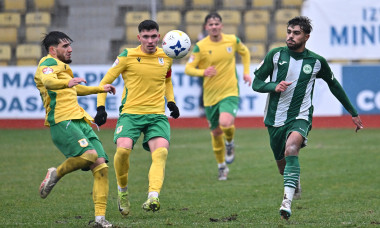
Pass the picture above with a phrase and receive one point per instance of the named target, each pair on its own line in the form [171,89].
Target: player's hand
[210,71]
[282,86]
[101,116]
[174,111]
[247,79]
[109,88]
[357,121]
[76,81]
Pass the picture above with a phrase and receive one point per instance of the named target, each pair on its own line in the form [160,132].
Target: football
[176,44]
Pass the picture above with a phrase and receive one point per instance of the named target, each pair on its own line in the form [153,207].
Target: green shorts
[279,135]
[74,137]
[151,125]
[228,104]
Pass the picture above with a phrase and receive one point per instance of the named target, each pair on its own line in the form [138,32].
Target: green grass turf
[340,176]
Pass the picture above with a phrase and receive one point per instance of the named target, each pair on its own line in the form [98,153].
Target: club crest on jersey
[119,129]
[47,70]
[161,61]
[307,69]
[115,63]
[229,49]
[83,143]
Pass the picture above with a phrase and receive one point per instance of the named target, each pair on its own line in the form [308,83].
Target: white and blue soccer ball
[176,44]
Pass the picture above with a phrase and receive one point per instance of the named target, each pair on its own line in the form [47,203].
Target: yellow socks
[121,164]
[157,169]
[229,132]
[100,189]
[218,147]
[75,163]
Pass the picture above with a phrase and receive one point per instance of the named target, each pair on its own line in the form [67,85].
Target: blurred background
[101,28]
[348,38]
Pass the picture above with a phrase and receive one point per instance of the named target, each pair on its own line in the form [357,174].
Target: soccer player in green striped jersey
[213,58]
[292,71]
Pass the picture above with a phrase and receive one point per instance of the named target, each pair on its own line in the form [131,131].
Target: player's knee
[291,150]
[89,156]
[160,153]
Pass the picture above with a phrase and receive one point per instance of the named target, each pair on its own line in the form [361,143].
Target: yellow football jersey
[147,81]
[52,78]
[221,55]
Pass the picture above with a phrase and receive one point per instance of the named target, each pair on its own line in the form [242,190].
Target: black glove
[174,111]
[101,115]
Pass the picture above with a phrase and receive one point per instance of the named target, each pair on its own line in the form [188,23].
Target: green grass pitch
[340,176]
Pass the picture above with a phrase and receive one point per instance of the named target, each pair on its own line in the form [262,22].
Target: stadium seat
[280,31]
[28,54]
[5,54]
[284,15]
[8,35]
[135,17]
[44,5]
[257,50]
[15,5]
[173,4]
[276,44]
[234,4]
[204,4]
[195,16]
[193,30]
[257,17]
[10,20]
[230,29]
[169,17]
[34,34]
[131,20]
[230,17]
[291,3]
[256,32]
[194,23]
[38,18]
[267,4]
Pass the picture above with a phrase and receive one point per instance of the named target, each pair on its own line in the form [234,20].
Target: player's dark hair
[213,15]
[303,22]
[54,38]
[148,25]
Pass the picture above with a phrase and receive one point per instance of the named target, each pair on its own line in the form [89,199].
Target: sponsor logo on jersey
[119,129]
[161,61]
[138,59]
[282,63]
[83,143]
[116,62]
[229,49]
[307,69]
[47,70]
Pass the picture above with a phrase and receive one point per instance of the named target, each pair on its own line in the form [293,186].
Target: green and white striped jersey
[282,64]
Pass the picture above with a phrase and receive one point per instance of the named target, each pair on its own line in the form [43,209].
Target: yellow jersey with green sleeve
[147,81]
[221,55]
[52,78]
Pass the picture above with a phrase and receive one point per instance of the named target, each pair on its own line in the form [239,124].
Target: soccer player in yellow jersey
[146,71]
[69,123]
[214,59]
